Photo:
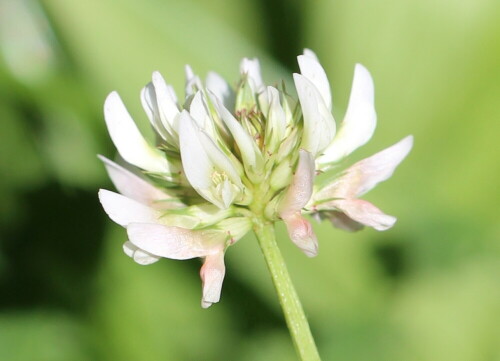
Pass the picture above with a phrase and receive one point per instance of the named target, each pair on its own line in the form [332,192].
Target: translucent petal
[138,255]
[123,210]
[135,187]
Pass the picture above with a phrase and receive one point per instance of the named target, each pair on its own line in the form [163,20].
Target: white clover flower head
[225,157]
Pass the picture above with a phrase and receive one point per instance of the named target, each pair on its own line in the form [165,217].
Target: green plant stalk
[294,314]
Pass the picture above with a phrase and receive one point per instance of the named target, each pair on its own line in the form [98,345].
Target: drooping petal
[367,173]
[251,67]
[135,187]
[312,70]
[359,122]
[365,213]
[138,255]
[212,275]
[301,233]
[129,141]
[319,125]
[295,198]
[299,192]
[221,89]
[123,210]
[174,242]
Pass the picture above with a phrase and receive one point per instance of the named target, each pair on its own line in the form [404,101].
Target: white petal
[195,161]
[311,54]
[150,106]
[129,248]
[128,140]
[319,125]
[172,242]
[212,275]
[218,86]
[365,213]
[251,67]
[219,160]
[301,233]
[367,173]
[314,72]
[228,194]
[123,210]
[141,257]
[166,104]
[199,111]
[193,82]
[299,192]
[360,119]
[276,117]
[133,186]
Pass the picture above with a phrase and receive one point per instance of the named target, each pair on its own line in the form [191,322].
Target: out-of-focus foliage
[426,290]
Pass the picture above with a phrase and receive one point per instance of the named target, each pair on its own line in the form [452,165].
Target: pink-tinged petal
[301,233]
[174,242]
[129,141]
[359,122]
[138,255]
[123,210]
[365,213]
[300,190]
[135,187]
[367,173]
[341,220]
[212,275]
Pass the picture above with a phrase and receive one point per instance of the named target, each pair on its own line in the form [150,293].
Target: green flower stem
[294,314]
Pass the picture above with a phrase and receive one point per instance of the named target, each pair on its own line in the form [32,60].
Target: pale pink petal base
[212,275]
[301,233]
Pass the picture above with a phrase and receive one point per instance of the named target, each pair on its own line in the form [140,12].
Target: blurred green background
[428,289]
